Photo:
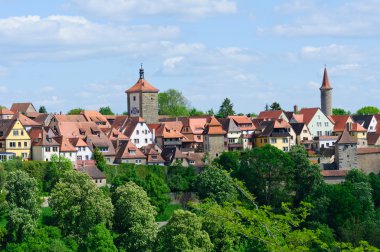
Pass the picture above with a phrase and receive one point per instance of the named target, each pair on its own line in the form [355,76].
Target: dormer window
[154,157]
[132,152]
[1,133]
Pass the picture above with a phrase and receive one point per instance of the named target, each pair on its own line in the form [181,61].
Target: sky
[65,54]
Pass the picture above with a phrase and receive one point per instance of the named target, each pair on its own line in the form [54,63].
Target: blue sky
[86,53]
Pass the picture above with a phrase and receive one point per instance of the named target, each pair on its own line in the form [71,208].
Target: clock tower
[143,100]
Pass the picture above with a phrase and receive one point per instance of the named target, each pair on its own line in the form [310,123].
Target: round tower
[326,95]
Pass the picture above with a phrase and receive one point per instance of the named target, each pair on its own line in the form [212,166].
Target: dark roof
[364,120]
[6,126]
[270,131]
[289,115]
[22,107]
[229,125]
[297,127]
[346,138]
[92,171]
[372,138]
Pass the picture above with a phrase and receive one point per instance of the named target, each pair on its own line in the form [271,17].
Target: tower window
[134,98]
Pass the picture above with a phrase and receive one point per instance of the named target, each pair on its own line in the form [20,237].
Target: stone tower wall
[326,101]
[149,107]
[346,156]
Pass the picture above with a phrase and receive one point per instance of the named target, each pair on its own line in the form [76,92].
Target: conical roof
[346,138]
[325,81]
[142,85]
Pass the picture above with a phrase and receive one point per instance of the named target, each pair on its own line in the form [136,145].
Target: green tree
[180,178]
[172,103]
[75,111]
[22,192]
[100,161]
[374,180]
[106,111]
[229,160]
[42,109]
[20,224]
[368,110]
[195,112]
[157,190]
[210,112]
[134,218]
[275,106]
[100,240]
[78,205]
[54,169]
[267,173]
[226,109]
[306,176]
[340,111]
[183,233]
[216,184]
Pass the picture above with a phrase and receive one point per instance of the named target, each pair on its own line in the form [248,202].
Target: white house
[83,151]
[317,122]
[135,128]
[44,146]
[369,122]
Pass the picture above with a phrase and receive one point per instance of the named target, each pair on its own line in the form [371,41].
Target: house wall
[372,125]
[361,138]
[325,127]
[84,152]
[132,161]
[100,182]
[149,107]
[72,156]
[214,145]
[369,162]
[23,138]
[39,153]
[134,108]
[141,139]
[346,156]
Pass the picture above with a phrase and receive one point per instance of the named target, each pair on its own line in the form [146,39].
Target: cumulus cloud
[331,52]
[129,8]
[65,37]
[310,18]
[343,69]
[170,63]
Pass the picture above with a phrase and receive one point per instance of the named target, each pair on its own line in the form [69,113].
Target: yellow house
[275,133]
[14,139]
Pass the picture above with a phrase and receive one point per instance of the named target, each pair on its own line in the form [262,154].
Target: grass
[168,212]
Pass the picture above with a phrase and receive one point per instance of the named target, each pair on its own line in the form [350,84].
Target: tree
[374,180]
[216,184]
[229,160]
[172,103]
[22,192]
[78,205]
[42,109]
[195,112]
[275,106]
[180,178]
[368,110]
[100,239]
[100,161]
[20,224]
[210,112]
[157,190]
[226,109]
[340,111]
[183,233]
[75,111]
[106,111]
[134,218]
[267,173]
[306,176]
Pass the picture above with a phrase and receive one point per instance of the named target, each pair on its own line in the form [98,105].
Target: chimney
[295,109]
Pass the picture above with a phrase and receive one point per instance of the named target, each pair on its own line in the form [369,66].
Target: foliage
[42,109]
[229,160]
[168,212]
[183,233]
[75,111]
[134,218]
[78,205]
[275,106]
[157,190]
[374,181]
[180,178]
[195,112]
[340,111]
[172,103]
[100,161]
[215,184]
[210,112]
[20,224]
[267,173]
[226,109]
[106,111]
[368,110]
[100,240]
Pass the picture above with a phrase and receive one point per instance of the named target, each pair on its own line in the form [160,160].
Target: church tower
[326,95]
[143,100]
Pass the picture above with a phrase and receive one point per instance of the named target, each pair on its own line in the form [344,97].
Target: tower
[143,100]
[326,95]
[346,151]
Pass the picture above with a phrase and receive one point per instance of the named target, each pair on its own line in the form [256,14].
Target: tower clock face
[135,111]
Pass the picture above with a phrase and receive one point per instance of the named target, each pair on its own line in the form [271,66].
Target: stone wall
[326,102]
[346,156]
[149,107]
[369,162]
[216,145]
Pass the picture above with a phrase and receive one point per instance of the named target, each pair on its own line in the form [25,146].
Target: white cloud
[66,37]
[311,18]
[170,63]
[330,53]
[129,8]
[343,69]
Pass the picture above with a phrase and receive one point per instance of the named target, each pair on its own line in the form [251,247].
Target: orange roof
[5,111]
[281,124]
[308,114]
[97,117]
[243,122]
[171,133]
[356,127]
[340,121]
[270,114]
[25,121]
[325,82]
[129,150]
[334,173]
[176,125]
[78,142]
[368,150]
[142,86]
[70,118]
[298,118]
[214,128]
[65,145]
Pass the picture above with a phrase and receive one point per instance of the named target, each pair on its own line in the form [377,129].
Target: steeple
[141,72]
[325,81]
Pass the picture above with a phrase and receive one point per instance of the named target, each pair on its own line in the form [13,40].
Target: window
[79,157]
[284,140]
[319,124]
[138,161]
[265,140]
[154,157]
[19,144]
[304,131]
[146,140]
[47,149]
[327,133]
[326,124]
[25,144]
[192,162]
[1,133]
[137,132]
[15,132]
[22,132]
[198,137]
[55,149]
[273,140]
[1,145]
[87,157]
[136,141]
[71,154]
[12,144]
[134,98]
[24,155]
[319,133]
[285,149]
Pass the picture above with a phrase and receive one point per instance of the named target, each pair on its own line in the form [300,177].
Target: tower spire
[141,72]
[325,81]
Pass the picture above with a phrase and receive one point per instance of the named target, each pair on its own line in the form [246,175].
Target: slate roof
[21,107]
[297,127]
[346,138]
[92,171]
[126,149]
[364,120]
[6,126]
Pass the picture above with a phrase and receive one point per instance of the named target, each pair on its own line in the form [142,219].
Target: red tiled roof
[142,86]
[25,121]
[372,137]
[368,150]
[65,145]
[214,128]
[270,114]
[334,173]
[21,107]
[356,127]
[298,118]
[126,151]
[325,82]
[308,114]
[340,121]
[5,111]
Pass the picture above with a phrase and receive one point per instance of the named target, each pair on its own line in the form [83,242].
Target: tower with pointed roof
[326,95]
[143,100]
[346,151]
